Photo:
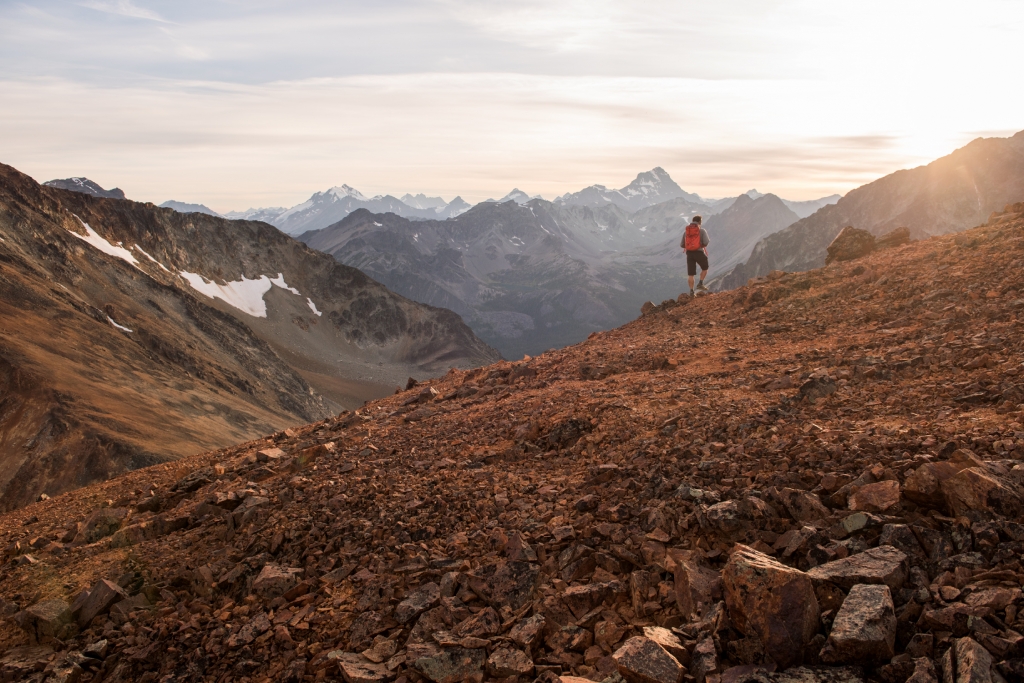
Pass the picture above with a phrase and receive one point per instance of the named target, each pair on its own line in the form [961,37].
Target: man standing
[695,242]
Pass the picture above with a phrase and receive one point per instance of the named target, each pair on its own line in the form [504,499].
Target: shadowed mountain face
[132,334]
[948,195]
[736,230]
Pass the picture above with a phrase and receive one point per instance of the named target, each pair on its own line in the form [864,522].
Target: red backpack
[691,239]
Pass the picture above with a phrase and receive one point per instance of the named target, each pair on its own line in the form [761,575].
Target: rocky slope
[816,478]
[132,335]
[950,194]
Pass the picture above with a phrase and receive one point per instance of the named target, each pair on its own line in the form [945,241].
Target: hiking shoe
[691,293]
[701,287]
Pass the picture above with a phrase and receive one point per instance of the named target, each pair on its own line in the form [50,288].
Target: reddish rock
[641,660]
[772,601]
[877,497]
[864,630]
[883,564]
[505,662]
[358,669]
[275,580]
[851,243]
[102,596]
[975,489]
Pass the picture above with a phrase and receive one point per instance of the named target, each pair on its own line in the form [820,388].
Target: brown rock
[804,506]
[526,632]
[851,243]
[864,630]
[381,650]
[417,602]
[102,596]
[883,564]
[100,524]
[358,669]
[924,485]
[772,601]
[924,671]
[275,580]
[668,640]
[704,661]
[972,663]
[505,662]
[47,620]
[641,660]
[452,664]
[877,497]
[974,489]
[695,585]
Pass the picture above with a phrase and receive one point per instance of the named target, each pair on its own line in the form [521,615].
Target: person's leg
[691,268]
[702,261]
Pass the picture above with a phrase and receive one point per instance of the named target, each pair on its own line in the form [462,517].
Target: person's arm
[704,239]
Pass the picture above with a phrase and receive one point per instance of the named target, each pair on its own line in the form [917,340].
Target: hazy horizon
[251,106]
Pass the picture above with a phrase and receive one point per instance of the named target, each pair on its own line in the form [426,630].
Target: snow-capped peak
[342,191]
[517,196]
[753,194]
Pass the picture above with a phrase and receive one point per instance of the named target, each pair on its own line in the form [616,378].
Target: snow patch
[96,240]
[120,327]
[312,306]
[279,281]
[246,295]
[379,225]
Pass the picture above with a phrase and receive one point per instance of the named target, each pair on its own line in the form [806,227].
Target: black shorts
[694,259]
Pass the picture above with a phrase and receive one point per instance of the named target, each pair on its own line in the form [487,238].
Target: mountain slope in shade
[185,207]
[85,186]
[131,334]
[948,195]
[806,208]
[735,231]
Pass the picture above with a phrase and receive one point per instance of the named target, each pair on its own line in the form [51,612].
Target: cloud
[124,8]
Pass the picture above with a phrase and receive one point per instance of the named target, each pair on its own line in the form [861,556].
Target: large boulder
[275,580]
[100,524]
[46,621]
[882,565]
[772,601]
[864,629]
[975,489]
[851,243]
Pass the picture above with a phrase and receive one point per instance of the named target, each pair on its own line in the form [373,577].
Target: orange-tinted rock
[883,564]
[641,660]
[877,497]
[772,601]
[864,629]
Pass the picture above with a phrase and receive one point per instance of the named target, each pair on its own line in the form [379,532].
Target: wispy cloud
[124,8]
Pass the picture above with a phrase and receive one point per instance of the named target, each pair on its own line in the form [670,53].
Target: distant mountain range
[131,334]
[953,193]
[585,261]
[531,276]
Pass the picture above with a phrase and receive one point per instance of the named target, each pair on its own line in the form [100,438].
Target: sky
[261,103]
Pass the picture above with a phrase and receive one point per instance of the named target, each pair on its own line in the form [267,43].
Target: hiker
[695,242]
